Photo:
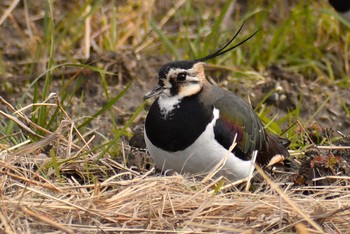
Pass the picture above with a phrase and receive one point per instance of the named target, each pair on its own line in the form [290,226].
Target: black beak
[155,91]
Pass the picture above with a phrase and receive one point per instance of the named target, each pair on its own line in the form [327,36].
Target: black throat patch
[186,124]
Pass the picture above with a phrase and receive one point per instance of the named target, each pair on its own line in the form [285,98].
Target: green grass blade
[165,40]
[213,37]
[106,107]
[122,131]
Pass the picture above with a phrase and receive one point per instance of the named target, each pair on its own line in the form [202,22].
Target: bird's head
[181,79]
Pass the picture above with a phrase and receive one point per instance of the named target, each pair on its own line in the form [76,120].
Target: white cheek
[190,90]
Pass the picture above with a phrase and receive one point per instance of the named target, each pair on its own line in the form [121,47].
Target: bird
[192,124]
[342,7]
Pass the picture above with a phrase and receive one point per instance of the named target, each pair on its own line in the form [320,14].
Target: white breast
[201,157]
[168,104]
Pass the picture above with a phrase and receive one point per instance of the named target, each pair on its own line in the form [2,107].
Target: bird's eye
[181,76]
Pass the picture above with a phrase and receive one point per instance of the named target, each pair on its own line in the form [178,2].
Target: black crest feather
[223,49]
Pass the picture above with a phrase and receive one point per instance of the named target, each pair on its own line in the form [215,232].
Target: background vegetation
[73,75]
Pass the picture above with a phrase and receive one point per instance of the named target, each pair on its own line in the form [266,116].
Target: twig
[251,170]
[46,220]
[8,11]
[288,200]
[337,147]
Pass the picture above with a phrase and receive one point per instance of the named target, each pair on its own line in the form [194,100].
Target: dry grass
[31,203]
[39,194]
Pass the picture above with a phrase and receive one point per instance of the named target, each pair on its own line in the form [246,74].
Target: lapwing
[342,7]
[192,124]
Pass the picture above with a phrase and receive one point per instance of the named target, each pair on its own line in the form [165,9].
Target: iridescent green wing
[237,118]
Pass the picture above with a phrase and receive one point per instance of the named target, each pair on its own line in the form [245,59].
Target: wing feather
[237,118]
